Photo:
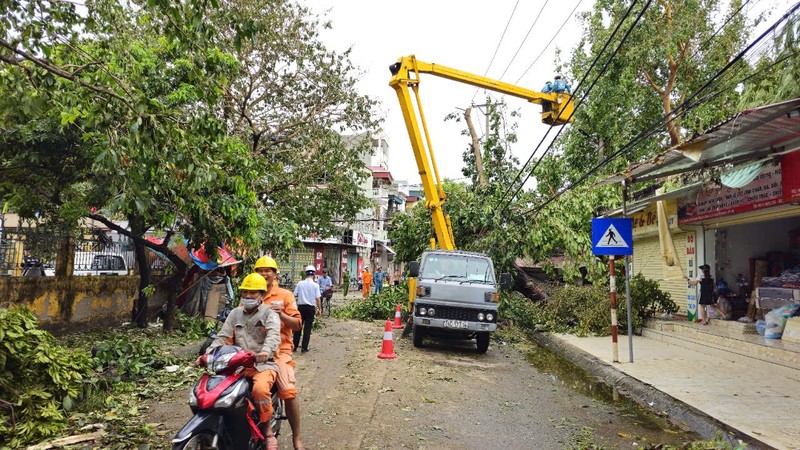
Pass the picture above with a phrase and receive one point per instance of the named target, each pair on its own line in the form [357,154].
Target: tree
[148,88]
[777,75]
[668,56]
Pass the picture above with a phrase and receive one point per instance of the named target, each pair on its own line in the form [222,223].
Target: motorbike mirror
[413,269]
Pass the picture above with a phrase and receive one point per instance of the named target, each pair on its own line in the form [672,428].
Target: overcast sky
[464,35]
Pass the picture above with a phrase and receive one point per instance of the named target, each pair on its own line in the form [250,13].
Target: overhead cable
[580,102]
[688,104]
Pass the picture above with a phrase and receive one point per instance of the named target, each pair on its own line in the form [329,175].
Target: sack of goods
[776,320]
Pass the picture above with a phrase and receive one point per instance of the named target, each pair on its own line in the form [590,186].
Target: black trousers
[307,313]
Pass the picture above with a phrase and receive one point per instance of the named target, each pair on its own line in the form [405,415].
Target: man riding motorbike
[255,327]
[282,302]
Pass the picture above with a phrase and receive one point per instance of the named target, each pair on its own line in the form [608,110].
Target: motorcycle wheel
[200,441]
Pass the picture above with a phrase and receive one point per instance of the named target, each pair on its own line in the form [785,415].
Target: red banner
[319,259]
[790,166]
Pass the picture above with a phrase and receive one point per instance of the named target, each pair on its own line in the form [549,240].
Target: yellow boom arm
[556,110]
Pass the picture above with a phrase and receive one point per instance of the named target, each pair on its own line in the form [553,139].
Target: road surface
[445,396]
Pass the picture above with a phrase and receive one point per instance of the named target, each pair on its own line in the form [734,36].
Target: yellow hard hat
[266,261]
[253,282]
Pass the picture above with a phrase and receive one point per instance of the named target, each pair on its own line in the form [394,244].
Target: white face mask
[250,303]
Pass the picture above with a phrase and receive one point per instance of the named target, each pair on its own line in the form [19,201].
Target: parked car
[90,263]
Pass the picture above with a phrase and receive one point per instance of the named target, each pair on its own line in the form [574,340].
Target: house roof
[380,172]
[757,133]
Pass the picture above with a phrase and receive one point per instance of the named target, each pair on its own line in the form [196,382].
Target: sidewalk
[708,389]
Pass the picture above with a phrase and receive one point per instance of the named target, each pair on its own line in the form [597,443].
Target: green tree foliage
[178,121]
[778,76]
[379,306]
[499,163]
[668,56]
[39,380]
[586,310]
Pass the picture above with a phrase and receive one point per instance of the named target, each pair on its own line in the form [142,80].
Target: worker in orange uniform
[282,302]
[255,327]
[366,279]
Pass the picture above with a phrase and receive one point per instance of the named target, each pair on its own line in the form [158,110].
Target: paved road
[439,397]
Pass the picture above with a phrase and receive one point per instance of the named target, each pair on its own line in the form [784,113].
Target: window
[457,267]
[108,262]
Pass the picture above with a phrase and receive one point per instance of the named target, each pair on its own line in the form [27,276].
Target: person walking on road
[378,278]
[346,282]
[283,303]
[326,289]
[308,302]
[366,281]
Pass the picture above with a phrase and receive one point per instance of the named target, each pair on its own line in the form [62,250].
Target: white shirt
[307,292]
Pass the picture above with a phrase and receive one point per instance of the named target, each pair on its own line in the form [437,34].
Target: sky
[464,35]
[460,34]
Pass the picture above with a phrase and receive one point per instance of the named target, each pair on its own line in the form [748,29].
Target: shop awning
[386,246]
[749,136]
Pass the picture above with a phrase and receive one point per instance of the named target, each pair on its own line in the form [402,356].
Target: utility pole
[476,148]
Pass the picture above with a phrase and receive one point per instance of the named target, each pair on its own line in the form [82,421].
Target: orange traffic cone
[387,352]
[397,323]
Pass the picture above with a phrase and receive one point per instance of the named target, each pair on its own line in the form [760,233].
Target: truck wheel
[483,342]
[418,336]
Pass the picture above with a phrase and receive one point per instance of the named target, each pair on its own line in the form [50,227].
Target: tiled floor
[755,397]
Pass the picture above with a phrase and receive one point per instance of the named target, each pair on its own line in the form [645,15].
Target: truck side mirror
[505,281]
[413,269]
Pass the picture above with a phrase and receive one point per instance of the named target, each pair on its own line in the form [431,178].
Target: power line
[584,95]
[508,22]
[551,40]
[525,39]
[681,109]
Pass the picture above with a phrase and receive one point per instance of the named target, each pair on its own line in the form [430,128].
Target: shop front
[738,210]
[749,234]
[665,254]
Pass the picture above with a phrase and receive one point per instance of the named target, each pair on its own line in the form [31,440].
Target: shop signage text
[765,191]
[362,239]
[646,222]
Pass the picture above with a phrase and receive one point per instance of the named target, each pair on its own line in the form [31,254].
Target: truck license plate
[455,324]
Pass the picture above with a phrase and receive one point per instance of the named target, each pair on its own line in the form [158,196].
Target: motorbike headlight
[480,317]
[423,311]
[490,317]
[227,400]
[192,398]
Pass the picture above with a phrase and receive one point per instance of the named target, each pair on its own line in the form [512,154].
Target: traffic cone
[397,323]
[387,352]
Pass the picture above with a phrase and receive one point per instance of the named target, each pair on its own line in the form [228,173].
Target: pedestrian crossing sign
[612,236]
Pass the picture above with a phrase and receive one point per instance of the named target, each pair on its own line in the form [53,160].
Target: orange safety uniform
[366,280]
[287,384]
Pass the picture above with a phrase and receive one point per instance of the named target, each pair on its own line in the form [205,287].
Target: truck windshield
[457,267]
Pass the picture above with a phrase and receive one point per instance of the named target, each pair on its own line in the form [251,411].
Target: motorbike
[224,414]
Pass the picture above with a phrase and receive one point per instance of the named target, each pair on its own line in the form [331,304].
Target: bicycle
[326,302]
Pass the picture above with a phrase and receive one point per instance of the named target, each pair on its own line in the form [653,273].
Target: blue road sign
[612,237]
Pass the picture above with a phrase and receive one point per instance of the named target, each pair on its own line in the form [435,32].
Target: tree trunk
[476,149]
[139,309]
[65,256]
[525,285]
[173,285]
